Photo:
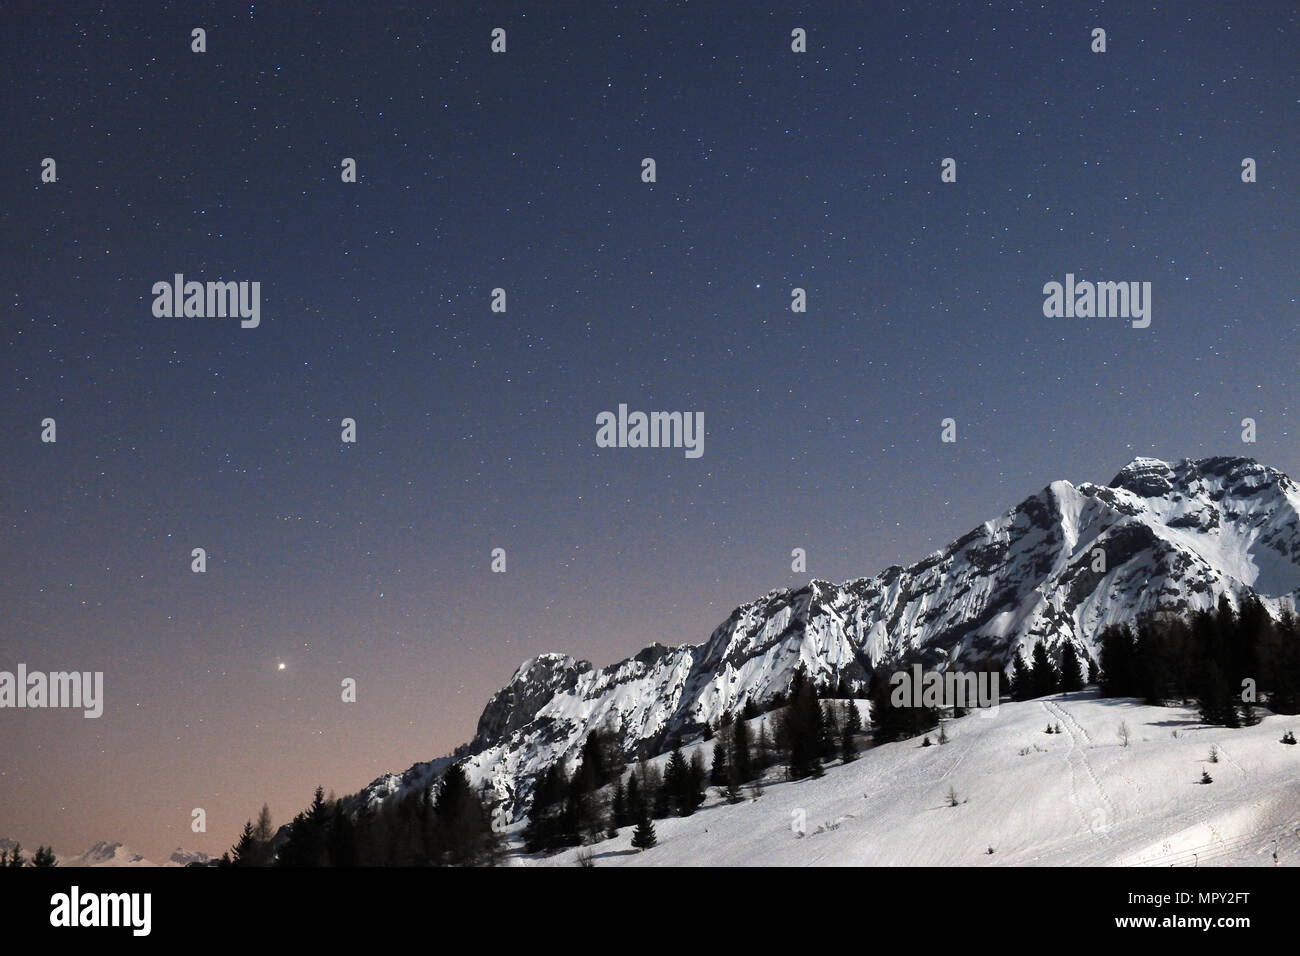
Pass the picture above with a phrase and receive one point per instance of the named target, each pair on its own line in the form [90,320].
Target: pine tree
[1283,654]
[618,807]
[733,783]
[718,770]
[799,730]
[830,732]
[306,843]
[741,756]
[853,718]
[44,857]
[1022,684]
[848,750]
[635,804]
[1217,705]
[242,853]
[591,766]
[16,857]
[643,837]
[1043,675]
[1071,669]
[696,776]
[1118,654]
[677,784]
[762,750]
[263,832]
[341,842]
[546,815]
[464,830]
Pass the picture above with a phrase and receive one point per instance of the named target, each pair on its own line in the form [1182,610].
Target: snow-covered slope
[1059,566]
[1075,798]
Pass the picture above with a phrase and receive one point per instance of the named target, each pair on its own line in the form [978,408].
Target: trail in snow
[1077,756]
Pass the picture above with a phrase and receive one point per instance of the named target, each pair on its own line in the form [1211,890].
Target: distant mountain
[183,857]
[104,853]
[109,854]
[1060,566]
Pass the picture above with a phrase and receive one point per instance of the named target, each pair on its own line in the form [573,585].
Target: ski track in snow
[1077,756]
[1228,757]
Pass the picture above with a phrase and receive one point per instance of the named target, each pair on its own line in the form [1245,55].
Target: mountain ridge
[1059,566]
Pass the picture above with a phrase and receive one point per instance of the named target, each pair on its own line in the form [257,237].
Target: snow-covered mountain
[1060,566]
[105,853]
[182,857]
[111,854]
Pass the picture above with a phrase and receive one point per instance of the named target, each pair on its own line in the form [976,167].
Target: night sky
[476,429]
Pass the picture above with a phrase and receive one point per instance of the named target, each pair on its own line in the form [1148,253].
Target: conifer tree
[1042,674]
[643,837]
[1216,703]
[741,756]
[848,750]
[464,831]
[677,784]
[635,804]
[1022,685]
[830,732]
[263,832]
[1118,678]
[1283,652]
[853,718]
[618,807]
[719,769]
[1071,669]
[696,777]
[762,750]
[242,853]
[44,857]
[799,730]
[591,766]
[341,841]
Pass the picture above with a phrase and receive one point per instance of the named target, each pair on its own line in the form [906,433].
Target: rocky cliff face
[1060,566]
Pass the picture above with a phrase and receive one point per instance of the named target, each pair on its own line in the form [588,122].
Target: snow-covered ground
[1075,798]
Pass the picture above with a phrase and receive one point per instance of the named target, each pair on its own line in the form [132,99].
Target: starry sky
[476,429]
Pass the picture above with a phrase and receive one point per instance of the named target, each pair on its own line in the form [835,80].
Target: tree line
[1227,660]
[13,857]
[603,796]
[447,824]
